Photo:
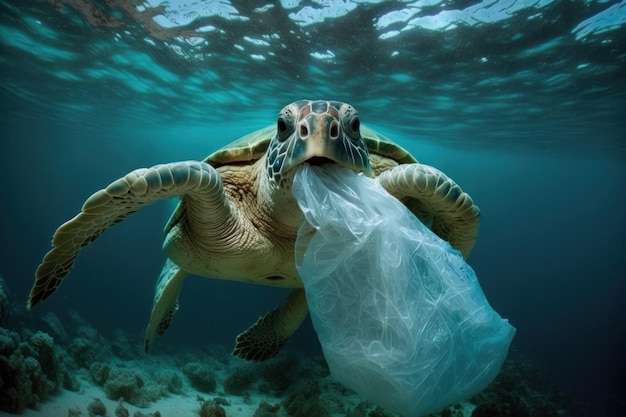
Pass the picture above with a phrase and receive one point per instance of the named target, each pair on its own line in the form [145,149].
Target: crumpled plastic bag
[400,316]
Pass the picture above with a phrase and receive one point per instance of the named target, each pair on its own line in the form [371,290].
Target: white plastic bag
[400,316]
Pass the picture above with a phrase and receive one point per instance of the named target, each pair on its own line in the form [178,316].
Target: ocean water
[523,103]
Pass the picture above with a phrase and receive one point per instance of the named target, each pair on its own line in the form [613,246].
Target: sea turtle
[237,219]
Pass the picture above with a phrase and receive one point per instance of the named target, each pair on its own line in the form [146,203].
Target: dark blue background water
[522,103]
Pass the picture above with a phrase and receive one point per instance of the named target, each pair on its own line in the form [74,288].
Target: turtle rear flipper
[264,339]
[165,305]
[119,200]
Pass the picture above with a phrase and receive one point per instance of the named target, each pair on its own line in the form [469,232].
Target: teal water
[521,102]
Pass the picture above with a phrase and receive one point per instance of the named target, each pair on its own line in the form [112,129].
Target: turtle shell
[254,145]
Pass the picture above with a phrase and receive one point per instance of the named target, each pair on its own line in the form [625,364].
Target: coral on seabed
[169,379]
[140,414]
[238,380]
[137,386]
[99,373]
[36,365]
[126,347]
[84,351]
[31,365]
[97,408]
[520,391]
[200,376]
[121,411]
[221,401]
[279,373]
[267,410]
[74,412]
[127,384]
[88,345]
[29,370]
[56,326]
[304,401]
[211,409]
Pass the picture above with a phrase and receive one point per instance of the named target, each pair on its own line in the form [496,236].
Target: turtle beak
[320,139]
[318,134]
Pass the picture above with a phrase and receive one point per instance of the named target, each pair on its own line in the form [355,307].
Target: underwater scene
[496,134]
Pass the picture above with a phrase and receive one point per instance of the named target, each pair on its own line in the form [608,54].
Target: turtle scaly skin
[237,219]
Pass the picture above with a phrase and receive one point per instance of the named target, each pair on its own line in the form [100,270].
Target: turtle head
[317,132]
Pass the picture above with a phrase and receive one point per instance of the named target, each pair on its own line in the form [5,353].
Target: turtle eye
[284,126]
[350,121]
[352,127]
[355,124]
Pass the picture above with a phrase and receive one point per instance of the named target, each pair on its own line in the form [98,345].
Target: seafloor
[62,366]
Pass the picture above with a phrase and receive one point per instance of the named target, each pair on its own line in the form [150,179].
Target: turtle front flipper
[165,305]
[437,201]
[267,336]
[196,180]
